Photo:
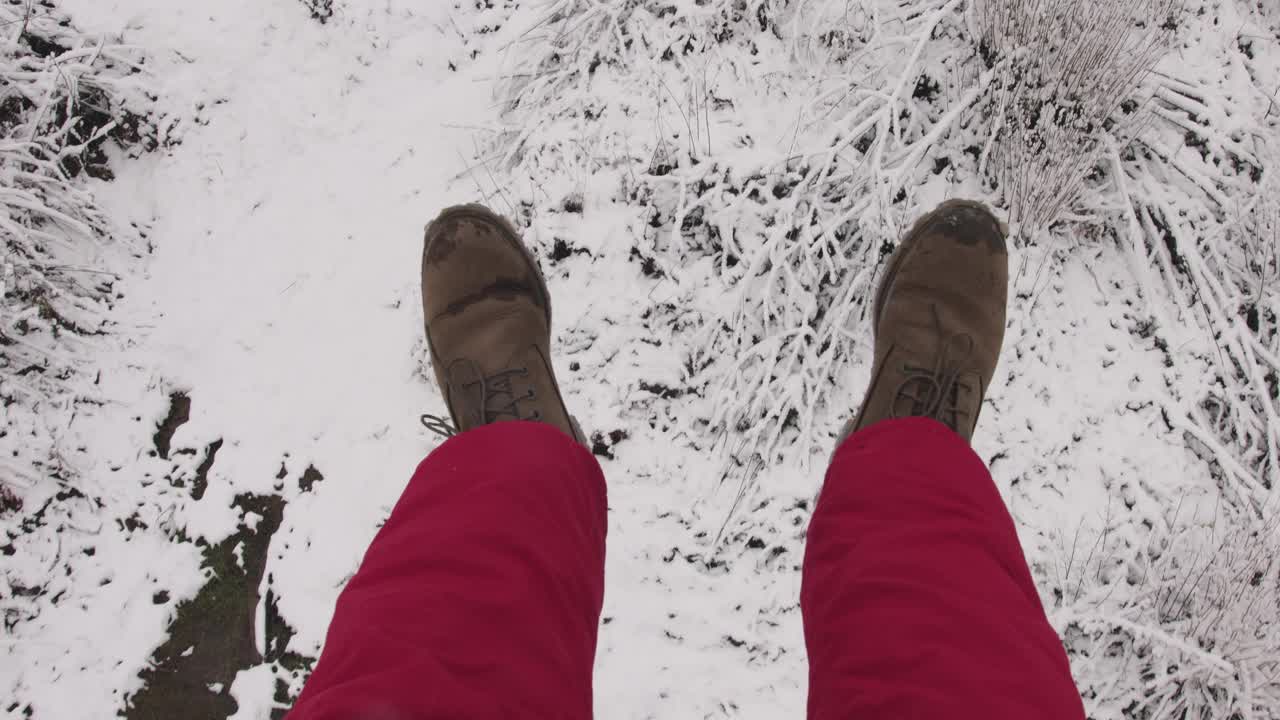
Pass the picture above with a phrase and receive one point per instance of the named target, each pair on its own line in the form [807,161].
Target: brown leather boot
[488,320]
[939,320]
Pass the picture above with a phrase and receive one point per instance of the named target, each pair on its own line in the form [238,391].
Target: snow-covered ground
[710,187]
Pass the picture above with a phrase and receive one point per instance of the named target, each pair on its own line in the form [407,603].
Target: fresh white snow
[280,294]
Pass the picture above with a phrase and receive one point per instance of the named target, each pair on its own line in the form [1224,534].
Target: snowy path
[281,298]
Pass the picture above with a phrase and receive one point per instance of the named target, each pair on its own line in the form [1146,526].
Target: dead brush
[1072,77]
[63,95]
[1183,625]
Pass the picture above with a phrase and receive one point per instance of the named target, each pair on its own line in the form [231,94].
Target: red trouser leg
[916,597]
[480,598]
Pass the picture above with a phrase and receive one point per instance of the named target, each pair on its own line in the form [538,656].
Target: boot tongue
[500,370]
[466,393]
[497,393]
[948,395]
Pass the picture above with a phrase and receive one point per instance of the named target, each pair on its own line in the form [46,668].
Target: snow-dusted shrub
[1186,625]
[761,196]
[644,97]
[1198,213]
[1069,79]
[63,96]
[1232,279]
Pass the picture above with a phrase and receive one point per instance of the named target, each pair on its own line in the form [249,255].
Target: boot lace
[935,392]
[499,399]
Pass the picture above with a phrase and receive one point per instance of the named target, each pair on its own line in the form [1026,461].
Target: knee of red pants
[916,595]
[480,596]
